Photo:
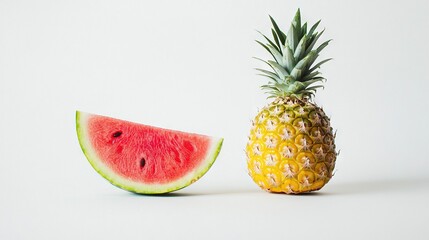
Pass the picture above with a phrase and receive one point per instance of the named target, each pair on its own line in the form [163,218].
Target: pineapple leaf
[266,72]
[276,54]
[323,45]
[276,39]
[297,24]
[313,56]
[315,80]
[295,87]
[281,72]
[296,73]
[315,87]
[273,89]
[313,41]
[299,52]
[307,92]
[289,80]
[294,70]
[264,46]
[269,40]
[304,29]
[272,94]
[318,78]
[281,87]
[300,67]
[270,74]
[292,38]
[288,58]
[312,89]
[313,28]
[267,76]
[264,62]
[269,87]
[280,34]
[319,64]
[311,75]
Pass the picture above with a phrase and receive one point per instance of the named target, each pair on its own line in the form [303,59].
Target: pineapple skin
[291,147]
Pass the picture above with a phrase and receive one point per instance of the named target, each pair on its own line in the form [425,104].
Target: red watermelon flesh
[142,158]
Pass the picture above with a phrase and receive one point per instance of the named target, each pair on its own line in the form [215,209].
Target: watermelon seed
[117,134]
[142,162]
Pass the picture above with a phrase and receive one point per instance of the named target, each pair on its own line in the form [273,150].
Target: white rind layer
[138,187]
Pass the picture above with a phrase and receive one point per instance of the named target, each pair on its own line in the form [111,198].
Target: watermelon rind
[139,187]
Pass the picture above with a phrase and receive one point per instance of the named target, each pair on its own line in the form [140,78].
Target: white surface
[187,65]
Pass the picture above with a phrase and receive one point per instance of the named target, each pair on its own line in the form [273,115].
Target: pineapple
[291,145]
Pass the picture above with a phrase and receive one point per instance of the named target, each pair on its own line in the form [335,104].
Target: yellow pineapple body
[291,147]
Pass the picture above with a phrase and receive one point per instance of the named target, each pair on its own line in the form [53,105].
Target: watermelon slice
[144,159]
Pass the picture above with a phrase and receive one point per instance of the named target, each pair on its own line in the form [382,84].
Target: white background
[188,65]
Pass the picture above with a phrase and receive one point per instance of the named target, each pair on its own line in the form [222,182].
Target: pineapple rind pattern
[291,147]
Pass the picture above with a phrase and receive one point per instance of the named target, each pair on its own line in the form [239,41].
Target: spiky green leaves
[294,68]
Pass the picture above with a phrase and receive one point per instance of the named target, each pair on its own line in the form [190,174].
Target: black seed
[142,162]
[117,134]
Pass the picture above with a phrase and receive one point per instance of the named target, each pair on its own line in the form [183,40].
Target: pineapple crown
[294,70]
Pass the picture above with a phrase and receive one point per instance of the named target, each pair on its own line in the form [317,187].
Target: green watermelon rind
[138,187]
